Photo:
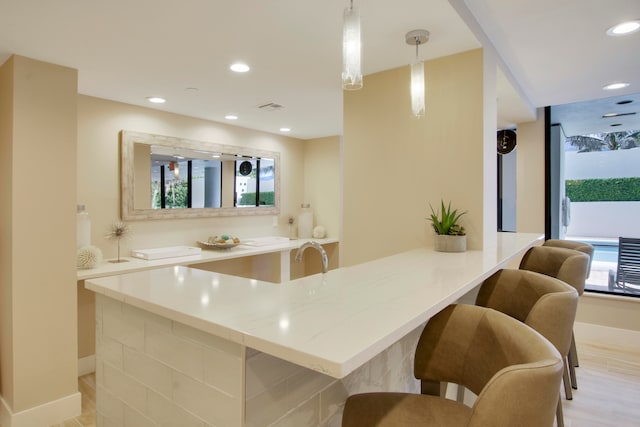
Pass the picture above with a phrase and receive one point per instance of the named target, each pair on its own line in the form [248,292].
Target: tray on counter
[167,252]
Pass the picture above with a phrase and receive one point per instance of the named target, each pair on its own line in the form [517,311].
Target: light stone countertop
[107,268]
[332,323]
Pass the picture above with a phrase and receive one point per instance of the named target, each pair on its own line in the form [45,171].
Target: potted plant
[450,236]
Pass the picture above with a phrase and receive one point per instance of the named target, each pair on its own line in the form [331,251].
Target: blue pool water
[605,253]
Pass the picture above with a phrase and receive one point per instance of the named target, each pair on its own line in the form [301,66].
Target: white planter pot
[445,243]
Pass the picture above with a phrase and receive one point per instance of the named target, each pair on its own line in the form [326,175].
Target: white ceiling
[554,52]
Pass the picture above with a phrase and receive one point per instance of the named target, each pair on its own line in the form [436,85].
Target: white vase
[446,243]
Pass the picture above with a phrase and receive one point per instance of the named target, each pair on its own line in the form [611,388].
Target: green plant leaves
[447,222]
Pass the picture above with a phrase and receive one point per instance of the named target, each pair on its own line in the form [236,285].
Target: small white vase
[446,243]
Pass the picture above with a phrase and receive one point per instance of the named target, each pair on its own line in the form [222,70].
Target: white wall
[602,164]
[509,190]
[604,219]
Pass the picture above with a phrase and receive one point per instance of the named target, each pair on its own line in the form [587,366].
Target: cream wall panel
[260,267]
[395,165]
[42,121]
[455,143]
[322,182]
[6,218]
[530,176]
[86,323]
[609,310]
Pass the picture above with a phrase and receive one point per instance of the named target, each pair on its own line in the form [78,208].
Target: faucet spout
[317,246]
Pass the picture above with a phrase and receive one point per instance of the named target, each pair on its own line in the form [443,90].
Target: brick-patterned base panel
[151,371]
[282,394]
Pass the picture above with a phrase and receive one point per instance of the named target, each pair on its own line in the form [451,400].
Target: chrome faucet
[317,246]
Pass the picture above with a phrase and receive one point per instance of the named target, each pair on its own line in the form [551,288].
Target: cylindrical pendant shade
[417,89]
[351,50]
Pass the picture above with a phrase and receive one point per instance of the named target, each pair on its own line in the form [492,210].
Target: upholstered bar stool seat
[546,304]
[570,266]
[576,246]
[514,371]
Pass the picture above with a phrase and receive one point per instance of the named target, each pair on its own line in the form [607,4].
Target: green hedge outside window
[603,190]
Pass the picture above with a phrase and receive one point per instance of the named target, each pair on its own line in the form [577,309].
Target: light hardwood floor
[87,418]
[608,389]
[608,392]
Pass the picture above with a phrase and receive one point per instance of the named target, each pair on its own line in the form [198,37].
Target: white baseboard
[43,415]
[625,341]
[86,365]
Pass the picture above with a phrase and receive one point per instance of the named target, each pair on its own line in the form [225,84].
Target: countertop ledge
[331,323]
[107,268]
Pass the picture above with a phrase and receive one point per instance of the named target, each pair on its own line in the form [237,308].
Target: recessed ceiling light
[624,28]
[231,117]
[615,86]
[285,129]
[156,100]
[239,67]
[605,116]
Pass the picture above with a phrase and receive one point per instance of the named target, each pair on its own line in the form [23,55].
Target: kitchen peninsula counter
[334,323]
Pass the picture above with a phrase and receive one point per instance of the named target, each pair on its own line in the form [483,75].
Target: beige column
[395,165]
[38,321]
[531,176]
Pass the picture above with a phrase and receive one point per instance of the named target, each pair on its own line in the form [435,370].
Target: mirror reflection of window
[246,182]
[186,183]
[266,177]
[165,177]
[254,182]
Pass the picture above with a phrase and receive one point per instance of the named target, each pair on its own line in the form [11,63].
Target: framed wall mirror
[164,177]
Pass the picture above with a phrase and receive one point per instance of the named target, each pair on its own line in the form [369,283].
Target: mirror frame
[127,179]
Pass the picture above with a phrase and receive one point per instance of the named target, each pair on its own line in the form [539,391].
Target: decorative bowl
[207,245]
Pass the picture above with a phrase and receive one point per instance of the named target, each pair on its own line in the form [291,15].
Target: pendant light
[417,37]
[351,50]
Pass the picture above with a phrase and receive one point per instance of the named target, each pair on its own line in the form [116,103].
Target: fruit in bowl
[224,239]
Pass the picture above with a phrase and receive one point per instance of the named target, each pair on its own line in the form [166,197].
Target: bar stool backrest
[568,265]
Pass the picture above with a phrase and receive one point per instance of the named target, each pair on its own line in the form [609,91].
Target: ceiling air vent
[270,106]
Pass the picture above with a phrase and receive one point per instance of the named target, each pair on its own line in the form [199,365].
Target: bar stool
[568,265]
[546,304]
[576,246]
[513,369]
